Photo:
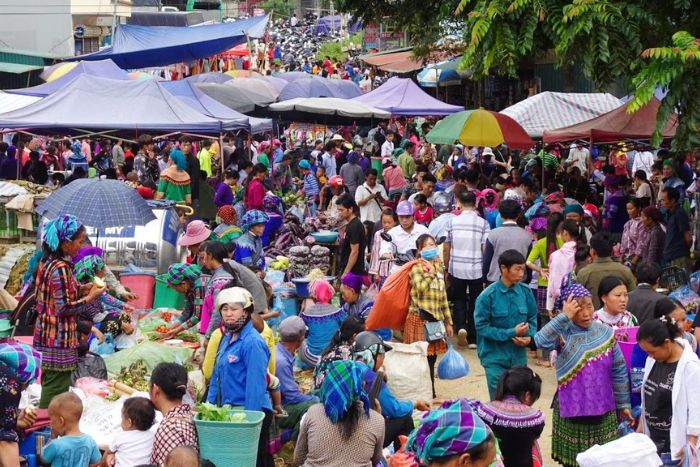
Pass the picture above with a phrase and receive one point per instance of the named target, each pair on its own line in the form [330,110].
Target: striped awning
[552,110]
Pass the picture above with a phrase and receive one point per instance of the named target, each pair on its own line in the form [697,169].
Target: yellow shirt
[213,347]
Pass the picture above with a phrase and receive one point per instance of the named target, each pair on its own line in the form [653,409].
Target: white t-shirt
[132,447]
[387,148]
[403,240]
[371,211]
[579,159]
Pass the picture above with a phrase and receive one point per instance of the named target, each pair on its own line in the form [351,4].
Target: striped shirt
[549,161]
[466,234]
[311,188]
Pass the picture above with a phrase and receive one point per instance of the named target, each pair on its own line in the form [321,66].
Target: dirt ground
[473,386]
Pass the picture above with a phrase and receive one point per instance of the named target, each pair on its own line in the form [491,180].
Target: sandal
[543,363]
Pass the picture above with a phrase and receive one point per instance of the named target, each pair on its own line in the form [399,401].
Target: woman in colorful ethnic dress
[175,182]
[591,375]
[322,320]
[428,301]
[513,420]
[58,297]
[187,280]
[612,293]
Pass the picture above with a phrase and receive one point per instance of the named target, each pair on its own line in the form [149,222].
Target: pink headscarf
[321,291]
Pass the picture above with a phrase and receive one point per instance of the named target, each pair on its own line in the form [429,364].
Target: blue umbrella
[98,203]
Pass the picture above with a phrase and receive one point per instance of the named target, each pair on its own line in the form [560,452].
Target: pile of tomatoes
[162,329]
[167,317]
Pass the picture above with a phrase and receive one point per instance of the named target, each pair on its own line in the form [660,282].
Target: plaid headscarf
[556,197]
[85,269]
[452,429]
[22,359]
[227,214]
[252,218]
[342,387]
[59,230]
[181,272]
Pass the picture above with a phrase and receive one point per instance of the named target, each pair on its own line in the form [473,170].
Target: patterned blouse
[619,321]
[632,237]
[428,292]
[56,331]
[177,429]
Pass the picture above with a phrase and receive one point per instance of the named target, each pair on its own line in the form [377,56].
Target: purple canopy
[345,88]
[101,68]
[401,96]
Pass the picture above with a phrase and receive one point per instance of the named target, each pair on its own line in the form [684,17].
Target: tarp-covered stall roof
[100,68]
[325,109]
[188,93]
[91,103]
[403,97]
[144,46]
[616,125]
[552,110]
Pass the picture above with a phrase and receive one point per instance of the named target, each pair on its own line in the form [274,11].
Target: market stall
[401,96]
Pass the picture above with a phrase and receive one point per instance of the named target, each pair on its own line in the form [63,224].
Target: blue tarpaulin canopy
[101,68]
[189,94]
[151,46]
[91,103]
[327,24]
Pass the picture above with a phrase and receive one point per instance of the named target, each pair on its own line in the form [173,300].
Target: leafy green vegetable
[212,413]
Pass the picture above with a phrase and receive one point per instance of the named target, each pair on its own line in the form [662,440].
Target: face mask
[236,325]
[429,253]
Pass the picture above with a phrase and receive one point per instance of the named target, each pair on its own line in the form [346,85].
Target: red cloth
[424,217]
[255,193]
[145,192]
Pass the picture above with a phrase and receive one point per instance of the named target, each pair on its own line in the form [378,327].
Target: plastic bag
[407,371]
[452,365]
[152,354]
[372,292]
[90,365]
[689,299]
[695,281]
[107,347]
[391,305]
[92,386]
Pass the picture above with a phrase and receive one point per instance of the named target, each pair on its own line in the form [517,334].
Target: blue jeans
[311,207]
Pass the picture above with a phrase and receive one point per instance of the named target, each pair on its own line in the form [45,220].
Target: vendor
[239,377]
[249,247]
[398,415]
[58,295]
[227,231]
[357,304]
[109,314]
[167,387]
[196,233]
[330,194]
[322,319]
[19,366]
[113,285]
[174,182]
[255,187]
[185,279]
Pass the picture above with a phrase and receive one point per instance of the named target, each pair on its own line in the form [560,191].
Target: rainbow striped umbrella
[480,128]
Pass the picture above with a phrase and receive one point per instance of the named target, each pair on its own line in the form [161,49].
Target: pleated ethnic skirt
[414,331]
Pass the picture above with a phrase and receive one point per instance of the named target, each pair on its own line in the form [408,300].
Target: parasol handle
[187,209]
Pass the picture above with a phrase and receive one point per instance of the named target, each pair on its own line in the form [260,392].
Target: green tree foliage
[677,69]
[279,8]
[338,50]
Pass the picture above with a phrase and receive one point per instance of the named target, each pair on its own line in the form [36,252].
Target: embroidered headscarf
[450,430]
[343,386]
[86,269]
[181,272]
[61,229]
[570,288]
[22,359]
[227,214]
[252,218]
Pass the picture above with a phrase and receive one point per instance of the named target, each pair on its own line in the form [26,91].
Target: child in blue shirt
[69,447]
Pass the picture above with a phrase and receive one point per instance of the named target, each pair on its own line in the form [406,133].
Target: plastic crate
[230,443]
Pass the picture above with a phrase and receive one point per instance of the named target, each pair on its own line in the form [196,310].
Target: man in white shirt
[370,198]
[643,161]
[388,146]
[579,157]
[463,255]
[405,234]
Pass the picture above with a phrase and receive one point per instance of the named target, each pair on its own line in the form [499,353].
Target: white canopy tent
[329,106]
[10,102]
[552,110]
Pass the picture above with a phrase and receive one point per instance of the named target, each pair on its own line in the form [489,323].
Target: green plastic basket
[167,297]
[230,443]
